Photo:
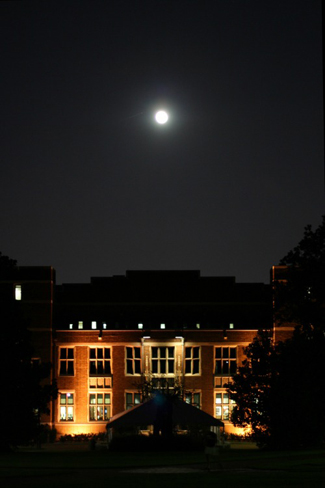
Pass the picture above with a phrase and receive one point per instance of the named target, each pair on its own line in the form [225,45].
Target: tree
[24,395]
[280,389]
[301,298]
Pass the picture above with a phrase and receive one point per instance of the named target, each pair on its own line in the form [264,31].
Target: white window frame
[102,359]
[99,405]
[133,361]
[66,406]
[67,361]
[190,395]
[135,401]
[223,360]
[224,407]
[160,358]
[191,361]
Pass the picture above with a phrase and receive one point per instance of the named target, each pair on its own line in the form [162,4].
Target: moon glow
[161,117]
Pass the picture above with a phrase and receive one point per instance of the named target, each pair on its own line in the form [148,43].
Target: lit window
[94,325]
[162,360]
[70,326]
[163,326]
[198,326]
[231,326]
[192,360]
[99,406]
[66,407]
[224,406]
[104,325]
[132,399]
[100,361]
[80,324]
[17,292]
[225,361]
[193,398]
[66,361]
[140,326]
[133,360]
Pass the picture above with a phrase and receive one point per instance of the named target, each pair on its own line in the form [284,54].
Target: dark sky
[91,185]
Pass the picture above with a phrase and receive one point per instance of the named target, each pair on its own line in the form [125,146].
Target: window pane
[163,366]
[218,398]
[188,367]
[70,398]
[107,398]
[226,413]
[188,352]
[99,353]
[63,353]
[171,366]
[92,398]
[196,363]
[70,353]
[129,366]
[92,367]
[171,352]
[100,367]
[92,353]
[107,367]
[196,352]
[128,398]
[233,352]
[218,412]
[92,413]
[100,413]
[218,352]
[196,398]
[100,398]
[70,413]
[137,352]
[154,352]
[70,367]
[107,413]
[225,367]
[163,352]
[63,398]
[154,366]
[225,352]
[225,398]
[129,351]
[107,353]
[218,366]
[63,368]
[137,365]
[233,367]
[63,413]
[137,398]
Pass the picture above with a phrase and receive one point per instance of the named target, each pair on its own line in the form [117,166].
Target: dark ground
[236,467]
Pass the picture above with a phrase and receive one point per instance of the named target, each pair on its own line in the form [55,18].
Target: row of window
[94,324]
[162,360]
[100,405]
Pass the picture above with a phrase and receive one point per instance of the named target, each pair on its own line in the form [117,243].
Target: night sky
[92,185]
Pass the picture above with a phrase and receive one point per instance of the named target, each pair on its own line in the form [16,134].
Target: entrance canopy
[151,412]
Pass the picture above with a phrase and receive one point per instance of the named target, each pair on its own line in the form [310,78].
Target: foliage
[279,390]
[301,298]
[25,396]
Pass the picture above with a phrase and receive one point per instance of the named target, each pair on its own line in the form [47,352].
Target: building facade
[112,338]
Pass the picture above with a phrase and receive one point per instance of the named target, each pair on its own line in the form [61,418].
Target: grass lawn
[235,467]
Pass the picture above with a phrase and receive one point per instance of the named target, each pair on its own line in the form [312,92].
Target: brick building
[170,328]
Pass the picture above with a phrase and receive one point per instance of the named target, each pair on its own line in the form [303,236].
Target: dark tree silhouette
[280,388]
[24,397]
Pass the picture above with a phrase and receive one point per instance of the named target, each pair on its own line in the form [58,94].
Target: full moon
[161,117]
